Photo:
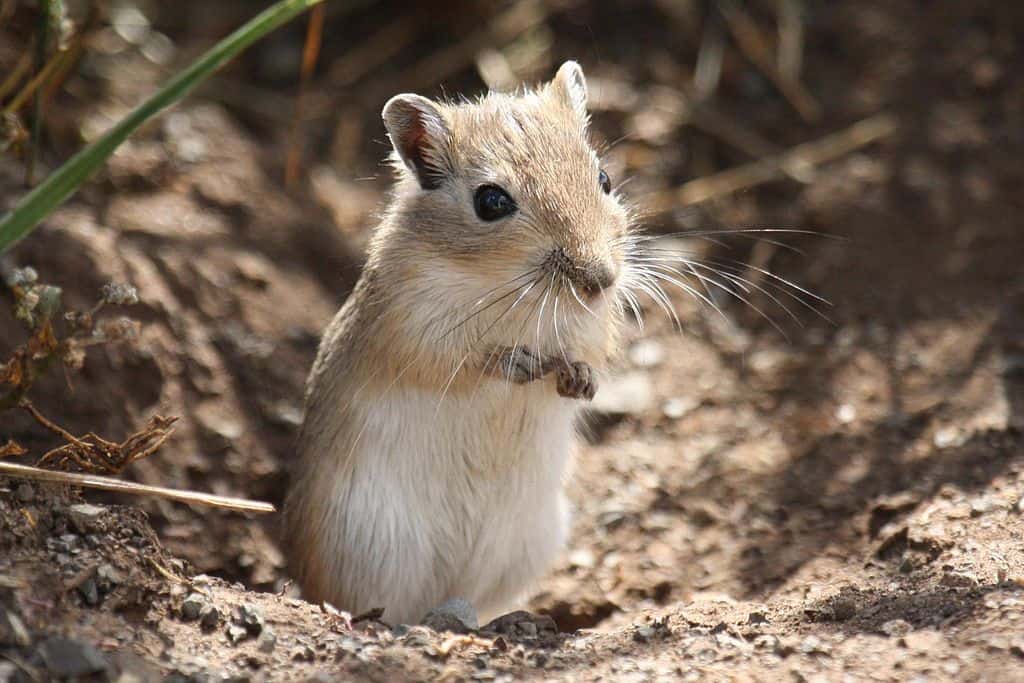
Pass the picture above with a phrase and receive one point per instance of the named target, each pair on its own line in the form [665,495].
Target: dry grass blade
[806,155]
[9,469]
[756,48]
[310,52]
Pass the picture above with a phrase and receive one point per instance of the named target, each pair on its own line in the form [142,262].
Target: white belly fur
[458,499]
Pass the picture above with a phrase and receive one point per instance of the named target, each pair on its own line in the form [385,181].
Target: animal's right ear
[420,136]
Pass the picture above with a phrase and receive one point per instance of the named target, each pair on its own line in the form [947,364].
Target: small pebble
[646,353]
[209,618]
[25,493]
[895,628]
[192,606]
[456,615]
[90,592]
[267,641]
[85,517]
[677,407]
[250,618]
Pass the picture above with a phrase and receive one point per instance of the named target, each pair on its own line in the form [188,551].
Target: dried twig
[791,38]
[310,52]
[10,469]
[757,49]
[806,155]
[506,27]
[92,453]
[376,49]
[12,448]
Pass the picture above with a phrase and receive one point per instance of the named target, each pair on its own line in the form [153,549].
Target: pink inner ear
[415,138]
[414,149]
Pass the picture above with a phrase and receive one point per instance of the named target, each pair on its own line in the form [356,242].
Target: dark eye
[491,203]
[605,181]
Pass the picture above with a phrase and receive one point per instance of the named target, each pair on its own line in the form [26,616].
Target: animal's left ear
[571,86]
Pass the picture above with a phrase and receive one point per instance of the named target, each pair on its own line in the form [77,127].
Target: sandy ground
[832,501]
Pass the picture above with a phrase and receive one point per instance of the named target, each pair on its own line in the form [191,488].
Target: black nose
[596,277]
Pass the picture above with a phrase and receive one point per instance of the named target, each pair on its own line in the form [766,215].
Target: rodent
[441,409]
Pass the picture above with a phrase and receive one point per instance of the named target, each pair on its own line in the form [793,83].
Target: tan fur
[392,345]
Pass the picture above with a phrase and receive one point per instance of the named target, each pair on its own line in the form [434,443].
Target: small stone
[85,517]
[236,633]
[812,645]
[267,641]
[644,634]
[766,642]
[209,617]
[303,653]
[25,493]
[192,606]
[896,628]
[456,615]
[959,580]
[521,623]
[677,407]
[582,557]
[90,592]
[948,437]
[250,618]
[846,414]
[107,577]
[982,506]
[646,353]
[67,658]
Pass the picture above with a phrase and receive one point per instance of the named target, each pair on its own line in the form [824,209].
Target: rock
[267,641]
[522,623]
[67,658]
[192,606]
[236,633]
[627,394]
[582,557]
[90,592]
[85,517]
[107,577]
[896,628]
[250,618]
[456,615]
[959,580]
[644,634]
[209,617]
[646,353]
[676,407]
[25,493]
[846,413]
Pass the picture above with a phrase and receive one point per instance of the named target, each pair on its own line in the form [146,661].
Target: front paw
[520,365]
[577,380]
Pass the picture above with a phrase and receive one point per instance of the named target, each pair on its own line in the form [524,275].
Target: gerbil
[440,411]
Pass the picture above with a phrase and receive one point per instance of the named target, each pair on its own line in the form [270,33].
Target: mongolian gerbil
[440,410]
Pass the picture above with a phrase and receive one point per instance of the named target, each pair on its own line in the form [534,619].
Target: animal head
[506,197]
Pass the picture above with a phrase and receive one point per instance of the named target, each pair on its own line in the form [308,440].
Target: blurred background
[743,454]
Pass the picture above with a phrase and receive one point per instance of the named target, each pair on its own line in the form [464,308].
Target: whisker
[488,306]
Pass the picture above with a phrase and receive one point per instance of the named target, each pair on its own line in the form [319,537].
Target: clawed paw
[520,365]
[577,380]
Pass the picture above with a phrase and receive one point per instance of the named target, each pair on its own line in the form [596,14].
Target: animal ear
[570,85]
[420,137]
